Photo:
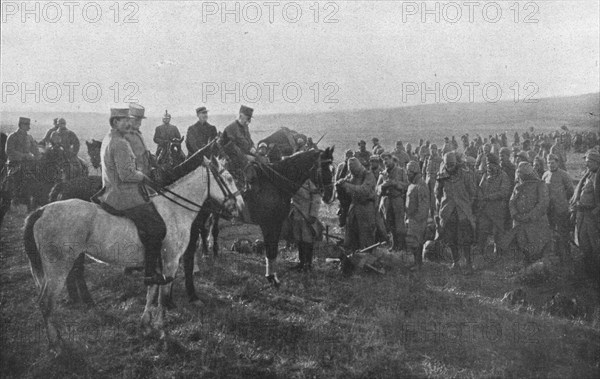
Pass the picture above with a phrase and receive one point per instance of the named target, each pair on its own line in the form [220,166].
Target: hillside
[345,128]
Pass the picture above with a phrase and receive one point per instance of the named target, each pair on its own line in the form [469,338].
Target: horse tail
[35,260]
[56,190]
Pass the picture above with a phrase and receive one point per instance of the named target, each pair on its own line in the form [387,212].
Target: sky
[293,56]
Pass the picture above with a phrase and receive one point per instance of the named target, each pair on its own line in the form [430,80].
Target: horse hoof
[273,280]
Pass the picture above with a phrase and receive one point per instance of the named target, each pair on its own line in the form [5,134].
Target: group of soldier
[521,195]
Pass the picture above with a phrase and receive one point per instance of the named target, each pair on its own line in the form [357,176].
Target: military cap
[413,167]
[450,157]
[375,140]
[201,110]
[61,121]
[525,168]
[593,155]
[492,158]
[386,154]
[361,142]
[119,113]
[349,152]
[552,157]
[433,146]
[374,158]
[166,115]
[247,111]
[24,121]
[523,155]
[136,110]
[262,144]
[505,150]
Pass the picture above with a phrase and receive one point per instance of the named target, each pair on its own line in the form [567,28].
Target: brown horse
[270,204]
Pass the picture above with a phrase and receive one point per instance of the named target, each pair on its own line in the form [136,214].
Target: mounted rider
[201,133]
[164,133]
[238,133]
[143,157]
[124,193]
[22,152]
[68,142]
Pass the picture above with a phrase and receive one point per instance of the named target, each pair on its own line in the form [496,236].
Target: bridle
[219,210]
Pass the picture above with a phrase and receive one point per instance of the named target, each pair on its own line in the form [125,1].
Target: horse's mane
[288,167]
[189,165]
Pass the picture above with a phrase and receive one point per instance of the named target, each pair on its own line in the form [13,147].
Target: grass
[435,324]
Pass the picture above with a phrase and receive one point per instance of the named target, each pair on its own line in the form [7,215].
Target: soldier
[21,151]
[558,150]
[143,156]
[447,146]
[585,206]
[529,208]
[494,192]
[306,227]
[239,133]
[262,153]
[199,134]
[391,186]
[377,148]
[560,190]
[361,221]
[301,145]
[424,153]
[430,171]
[54,128]
[401,154]
[66,138]
[363,154]
[164,133]
[345,200]
[375,167]
[455,192]
[122,193]
[417,208]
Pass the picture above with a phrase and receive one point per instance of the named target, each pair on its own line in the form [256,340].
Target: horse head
[94,152]
[325,174]
[222,188]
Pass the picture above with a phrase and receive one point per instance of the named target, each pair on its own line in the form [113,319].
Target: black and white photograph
[300,189]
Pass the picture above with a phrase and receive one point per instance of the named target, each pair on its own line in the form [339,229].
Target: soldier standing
[391,186]
[199,134]
[494,192]
[361,221]
[377,148]
[363,154]
[585,206]
[345,200]
[417,209]
[430,171]
[560,190]
[455,192]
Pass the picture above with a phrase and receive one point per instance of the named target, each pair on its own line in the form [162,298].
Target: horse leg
[271,236]
[146,320]
[72,286]
[204,231]
[215,234]
[78,270]
[188,259]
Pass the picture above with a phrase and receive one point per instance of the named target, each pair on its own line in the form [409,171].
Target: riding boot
[418,257]
[301,257]
[151,276]
[401,241]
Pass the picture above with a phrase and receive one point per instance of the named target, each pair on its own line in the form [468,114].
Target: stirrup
[273,280]
[157,279]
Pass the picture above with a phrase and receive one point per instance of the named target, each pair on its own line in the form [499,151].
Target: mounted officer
[199,134]
[164,133]
[238,134]
[124,193]
[69,143]
[143,157]
[21,151]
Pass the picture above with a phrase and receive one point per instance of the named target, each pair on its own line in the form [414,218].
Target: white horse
[56,234]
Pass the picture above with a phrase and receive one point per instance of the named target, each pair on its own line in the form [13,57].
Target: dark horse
[269,205]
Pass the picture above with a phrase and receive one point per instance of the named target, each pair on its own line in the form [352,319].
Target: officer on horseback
[68,142]
[124,193]
[21,149]
[199,134]
[165,133]
[143,157]
[238,134]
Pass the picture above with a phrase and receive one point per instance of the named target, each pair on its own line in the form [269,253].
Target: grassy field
[322,324]
[317,325]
